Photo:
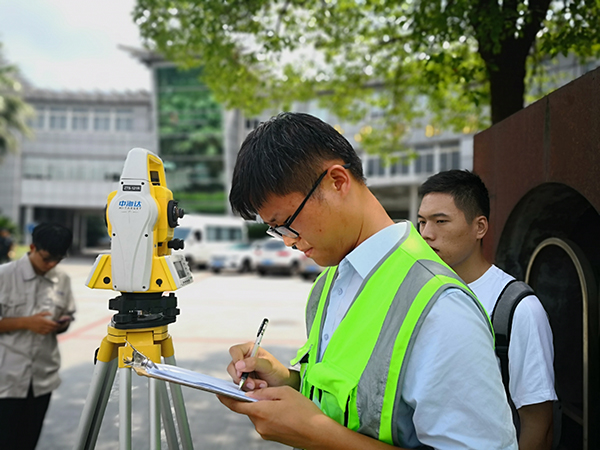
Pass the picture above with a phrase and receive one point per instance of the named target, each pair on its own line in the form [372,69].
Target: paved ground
[217,311]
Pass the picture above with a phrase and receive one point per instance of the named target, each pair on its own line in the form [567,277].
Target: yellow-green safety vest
[359,379]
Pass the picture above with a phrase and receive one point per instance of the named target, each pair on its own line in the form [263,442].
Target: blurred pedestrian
[36,304]
[6,246]
[399,351]
[453,220]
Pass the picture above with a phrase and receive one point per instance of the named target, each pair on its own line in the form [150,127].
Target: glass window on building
[425,161]
[449,156]
[85,170]
[58,118]
[38,121]
[400,167]
[112,176]
[102,119]
[449,161]
[375,167]
[251,124]
[375,113]
[124,120]
[57,170]
[79,119]
[456,160]
[34,168]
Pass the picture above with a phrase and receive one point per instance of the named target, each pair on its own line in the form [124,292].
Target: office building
[66,171]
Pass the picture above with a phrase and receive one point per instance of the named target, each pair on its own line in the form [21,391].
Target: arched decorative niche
[552,241]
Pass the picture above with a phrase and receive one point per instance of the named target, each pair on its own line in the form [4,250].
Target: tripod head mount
[140,218]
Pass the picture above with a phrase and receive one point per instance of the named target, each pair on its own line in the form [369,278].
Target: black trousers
[21,421]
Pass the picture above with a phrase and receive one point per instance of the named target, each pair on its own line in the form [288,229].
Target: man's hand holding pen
[255,348]
[284,415]
[265,368]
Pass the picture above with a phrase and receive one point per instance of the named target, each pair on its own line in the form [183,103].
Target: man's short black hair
[283,155]
[466,188]
[53,238]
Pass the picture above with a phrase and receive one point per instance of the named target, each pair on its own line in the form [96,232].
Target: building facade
[75,159]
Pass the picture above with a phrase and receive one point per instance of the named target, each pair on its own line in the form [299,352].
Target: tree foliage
[456,61]
[14,112]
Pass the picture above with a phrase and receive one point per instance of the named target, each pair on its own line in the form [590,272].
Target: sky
[73,44]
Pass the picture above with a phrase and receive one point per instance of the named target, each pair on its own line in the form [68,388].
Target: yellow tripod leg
[98,394]
[168,353]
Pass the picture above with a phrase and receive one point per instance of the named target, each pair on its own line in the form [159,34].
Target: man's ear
[341,178]
[482,225]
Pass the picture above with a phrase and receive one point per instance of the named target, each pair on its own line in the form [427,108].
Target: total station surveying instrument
[140,217]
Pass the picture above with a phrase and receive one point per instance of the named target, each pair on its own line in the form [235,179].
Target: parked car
[276,257]
[239,257]
[309,269]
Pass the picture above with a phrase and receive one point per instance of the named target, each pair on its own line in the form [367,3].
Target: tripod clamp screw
[138,360]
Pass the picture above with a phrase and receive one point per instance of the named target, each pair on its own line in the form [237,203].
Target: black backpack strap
[502,318]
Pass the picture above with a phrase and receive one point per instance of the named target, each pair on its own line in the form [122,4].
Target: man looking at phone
[36,304]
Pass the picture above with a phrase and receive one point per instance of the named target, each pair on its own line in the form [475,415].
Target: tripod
[153,342]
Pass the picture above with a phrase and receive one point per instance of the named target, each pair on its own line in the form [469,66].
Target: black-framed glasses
[48,258]
[285,230]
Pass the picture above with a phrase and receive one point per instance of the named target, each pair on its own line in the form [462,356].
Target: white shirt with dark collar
[27,357]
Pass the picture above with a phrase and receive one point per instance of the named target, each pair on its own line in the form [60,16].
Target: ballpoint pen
[259,336]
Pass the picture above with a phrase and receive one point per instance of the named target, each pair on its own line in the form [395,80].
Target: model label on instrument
[132,187]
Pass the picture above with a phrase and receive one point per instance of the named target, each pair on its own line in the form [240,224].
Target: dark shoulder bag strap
[502,318]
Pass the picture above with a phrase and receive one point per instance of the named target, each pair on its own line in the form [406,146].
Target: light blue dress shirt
[452,396]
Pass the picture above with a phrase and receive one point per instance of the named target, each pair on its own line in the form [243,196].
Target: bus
[204,234]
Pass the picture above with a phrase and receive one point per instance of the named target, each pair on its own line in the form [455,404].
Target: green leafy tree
[463,63]
[5,222]
[14,112]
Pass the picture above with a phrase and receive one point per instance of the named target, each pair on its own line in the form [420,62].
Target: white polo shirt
[27,357]
[530,352]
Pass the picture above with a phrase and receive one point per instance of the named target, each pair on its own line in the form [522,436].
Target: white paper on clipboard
[173,374]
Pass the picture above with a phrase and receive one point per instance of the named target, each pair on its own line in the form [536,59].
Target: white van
[204,233]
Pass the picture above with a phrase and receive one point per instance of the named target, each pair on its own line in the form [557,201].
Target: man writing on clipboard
[399,351]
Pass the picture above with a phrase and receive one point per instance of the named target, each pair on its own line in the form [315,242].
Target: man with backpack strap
[453,219]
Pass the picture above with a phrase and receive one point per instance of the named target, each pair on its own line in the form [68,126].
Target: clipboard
[173,374]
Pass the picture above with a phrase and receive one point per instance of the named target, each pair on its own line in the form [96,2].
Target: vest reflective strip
[314,312]
[450,280]
[315,295]
[375,376]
